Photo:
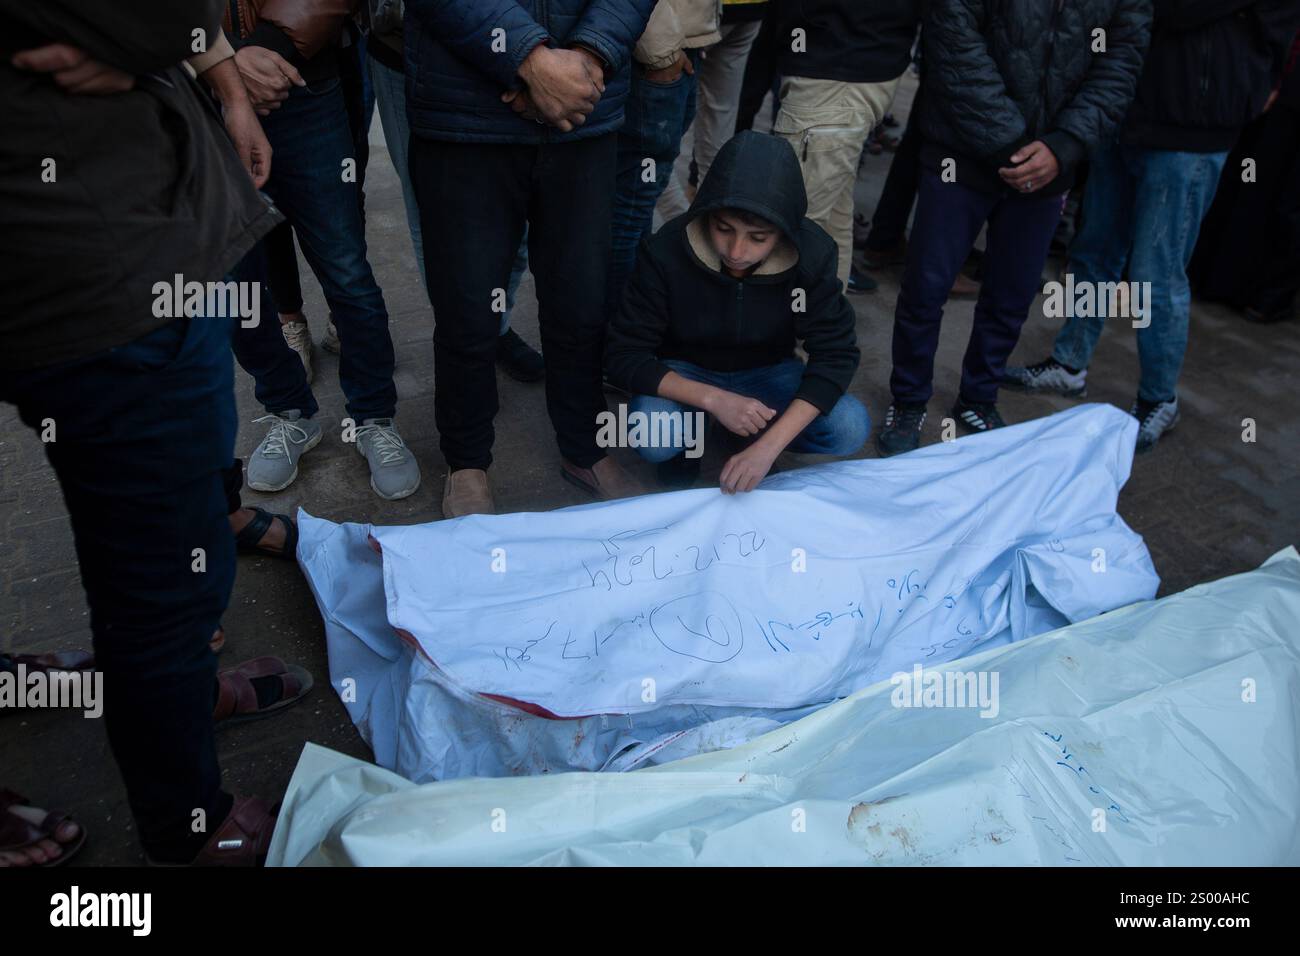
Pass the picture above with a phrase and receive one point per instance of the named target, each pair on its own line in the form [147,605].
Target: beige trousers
[827,123]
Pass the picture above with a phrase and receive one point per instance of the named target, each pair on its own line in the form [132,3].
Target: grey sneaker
[274,465]
[394,472]
[1048,375]
[1154,419]
[298,338]
[331,341]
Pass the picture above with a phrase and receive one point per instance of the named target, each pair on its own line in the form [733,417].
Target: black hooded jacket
[680,304]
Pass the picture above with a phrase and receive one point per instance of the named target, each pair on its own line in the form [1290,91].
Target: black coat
[680,304]
[1211,67]
[147,182]
[1000,74]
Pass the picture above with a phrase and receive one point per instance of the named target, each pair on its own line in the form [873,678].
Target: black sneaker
[902,429]
[977,416]
[860,282]
[521,361]
[678,472]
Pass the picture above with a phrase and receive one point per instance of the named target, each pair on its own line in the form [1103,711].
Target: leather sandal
[243,839]
[19,834]
[237,699]
[246,541]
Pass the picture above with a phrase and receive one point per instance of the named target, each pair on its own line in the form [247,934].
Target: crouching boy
[712,312]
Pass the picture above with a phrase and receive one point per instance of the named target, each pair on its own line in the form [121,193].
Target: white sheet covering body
[680,623]
[1164,733]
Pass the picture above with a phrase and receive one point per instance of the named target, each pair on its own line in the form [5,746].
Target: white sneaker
[331,341]
[1048,375]
[298,337]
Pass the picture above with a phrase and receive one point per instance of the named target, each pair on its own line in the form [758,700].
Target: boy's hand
[73,70]
[740,414]
[744,470]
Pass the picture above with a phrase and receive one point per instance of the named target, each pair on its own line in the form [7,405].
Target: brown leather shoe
[606,479]
[467,493]
[964,287]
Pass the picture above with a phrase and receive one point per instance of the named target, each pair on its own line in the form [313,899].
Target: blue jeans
[390,95]
[656,116]
[948,218]
[279,380]
[145,433]
[310,137]
[1142,211]
[840,432]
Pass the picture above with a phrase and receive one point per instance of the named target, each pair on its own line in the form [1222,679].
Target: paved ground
[1208,503]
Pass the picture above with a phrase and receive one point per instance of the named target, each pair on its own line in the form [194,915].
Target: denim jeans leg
[390,98]
[948,218]
[656,115]
[841,431]
[1100,251]
[145,436]
[279,380]
[310,136]
[1174,192]
[651,405]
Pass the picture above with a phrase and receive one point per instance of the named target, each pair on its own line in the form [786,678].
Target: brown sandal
[237,699]
[243,839]
[19,834]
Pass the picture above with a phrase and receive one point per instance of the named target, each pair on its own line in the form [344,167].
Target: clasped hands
[561,87]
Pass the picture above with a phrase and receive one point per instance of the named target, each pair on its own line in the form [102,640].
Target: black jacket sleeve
[966,82]
[1098,108]
[637,330]
[136,36]
[827,329]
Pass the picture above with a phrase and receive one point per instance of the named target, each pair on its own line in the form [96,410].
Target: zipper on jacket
[1047,65]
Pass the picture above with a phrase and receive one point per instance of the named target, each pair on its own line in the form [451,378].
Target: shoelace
[296,335]
[276,442]
[386,441]
[1043,366]
[906,417]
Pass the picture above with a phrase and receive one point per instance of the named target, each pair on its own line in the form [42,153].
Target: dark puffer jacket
[1211,67]
[680,304]
[1000,74]
[455,77]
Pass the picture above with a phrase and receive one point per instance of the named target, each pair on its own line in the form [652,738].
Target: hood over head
[760,174]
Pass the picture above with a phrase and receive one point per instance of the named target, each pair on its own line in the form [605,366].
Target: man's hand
[740,414]
[669,74]
[73,70]
[522,104]
[744,470]
[267,76]
[1035,167]
[250,142]
[561,85]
